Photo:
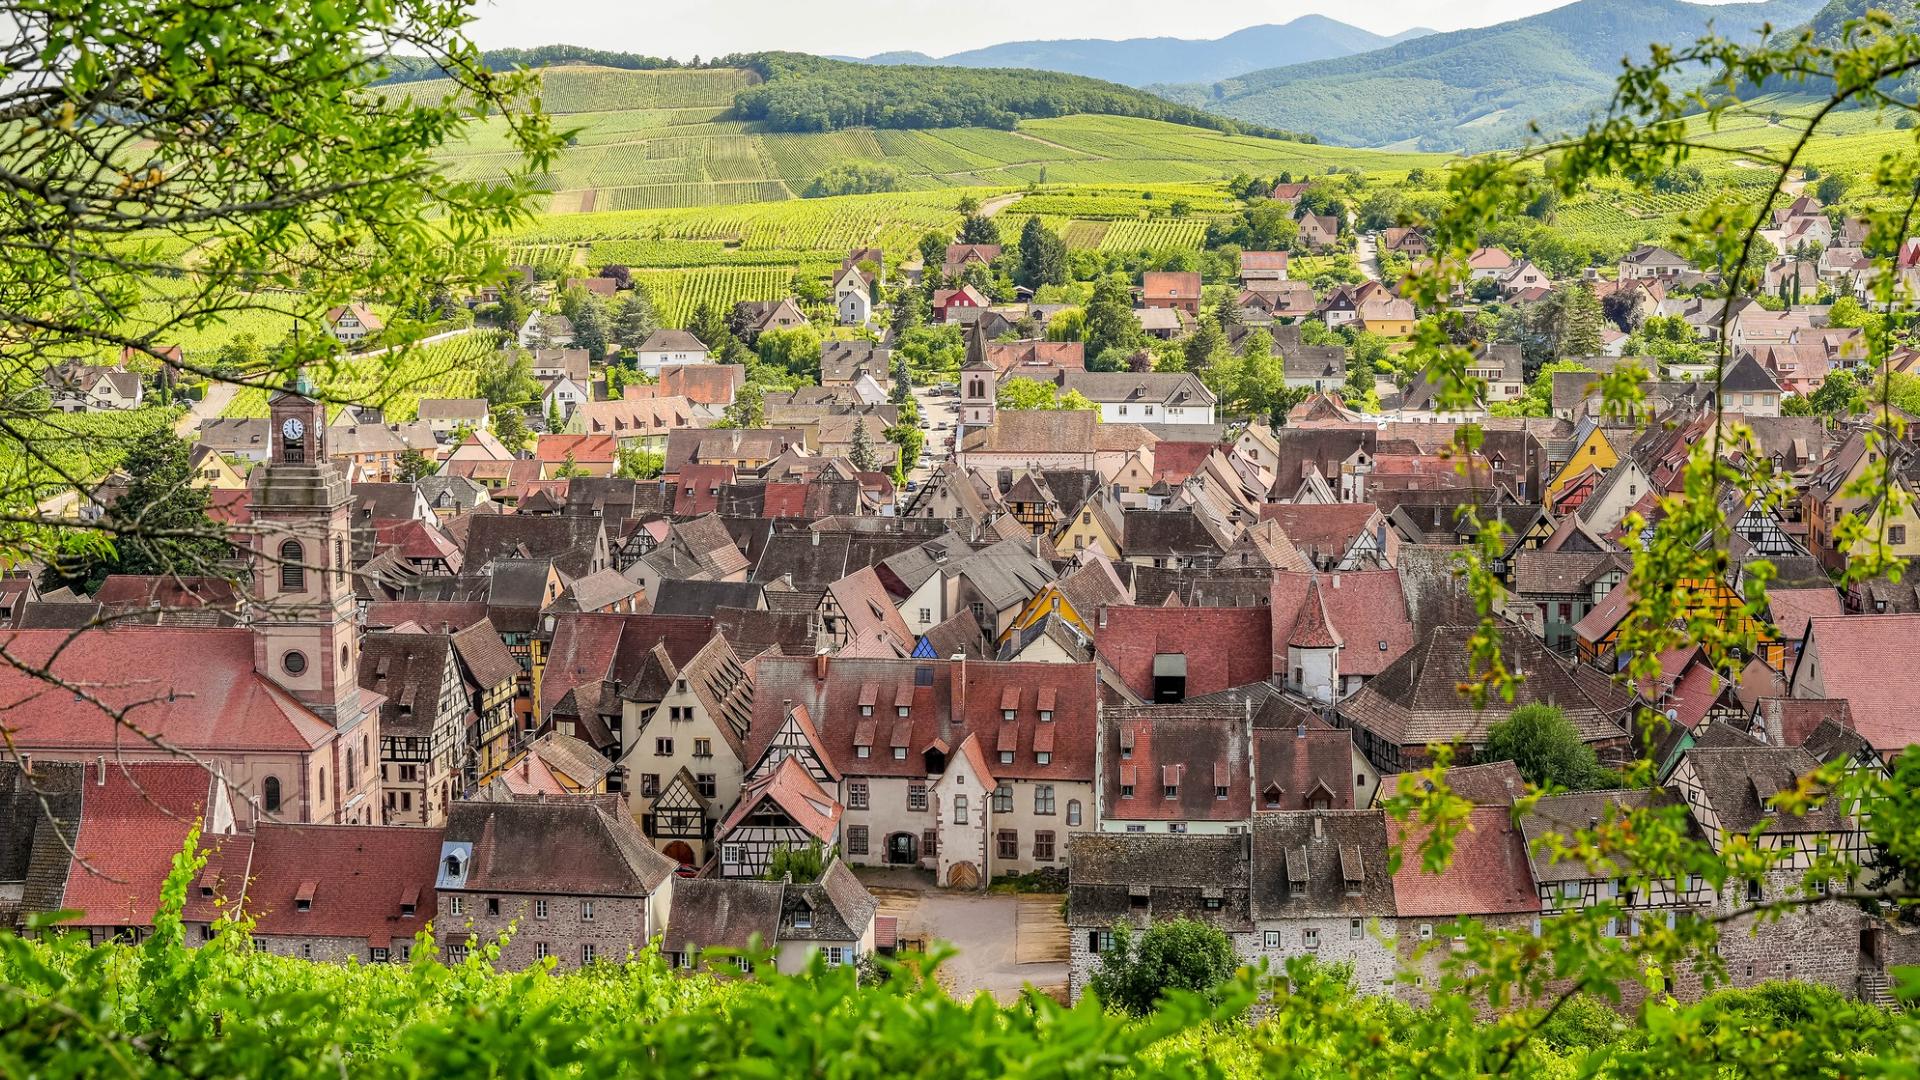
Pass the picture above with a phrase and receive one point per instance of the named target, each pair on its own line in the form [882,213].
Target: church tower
[305,640]
[979,384]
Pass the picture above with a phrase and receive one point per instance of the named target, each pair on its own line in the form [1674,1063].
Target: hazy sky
[684,28]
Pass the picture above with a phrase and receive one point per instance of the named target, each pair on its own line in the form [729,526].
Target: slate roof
[1318,864]
[1566,814]
[1738,783]
[1417,699]
[1562,573]
[1176,874]
[723,913]
[37,823]
[410,671]
[573,845]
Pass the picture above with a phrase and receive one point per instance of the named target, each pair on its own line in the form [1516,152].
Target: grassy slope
[1476,88]
[658,139]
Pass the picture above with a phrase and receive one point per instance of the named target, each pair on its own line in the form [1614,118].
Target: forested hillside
[811,93]
[1480,88]
[1140,61]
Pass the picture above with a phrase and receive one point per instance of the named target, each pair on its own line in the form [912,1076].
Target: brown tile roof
[1417,700]
[1488,874]
[1302,761]
[356,879]
[1197,750]
[797,795]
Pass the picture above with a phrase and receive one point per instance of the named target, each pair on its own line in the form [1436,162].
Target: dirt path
[998,203]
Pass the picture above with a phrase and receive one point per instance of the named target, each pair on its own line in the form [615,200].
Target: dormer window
[1046,716]
[803,917]
[866,710]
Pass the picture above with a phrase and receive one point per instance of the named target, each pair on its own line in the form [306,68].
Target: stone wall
[617,928]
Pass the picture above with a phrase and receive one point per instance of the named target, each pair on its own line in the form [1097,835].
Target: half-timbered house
[783,808]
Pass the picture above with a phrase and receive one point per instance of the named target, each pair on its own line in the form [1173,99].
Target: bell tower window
[293,571]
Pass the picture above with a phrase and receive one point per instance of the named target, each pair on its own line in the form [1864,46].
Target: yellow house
[1094,527]
[1076,598]
[210,470]
[1594,452]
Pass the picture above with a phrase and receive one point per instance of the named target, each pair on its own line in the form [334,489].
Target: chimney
[1336,579]
[1103,616]
[820,665]
[816,537]
[1319,826]
[100,764]
[1301,731]
[959,712]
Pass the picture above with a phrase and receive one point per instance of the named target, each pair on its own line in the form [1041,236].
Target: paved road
[1367,253]
[941,412]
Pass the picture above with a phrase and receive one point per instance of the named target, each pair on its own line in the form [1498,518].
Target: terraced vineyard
[662,139]
[1160,235]
[394,382]
[83,446]
[676,293]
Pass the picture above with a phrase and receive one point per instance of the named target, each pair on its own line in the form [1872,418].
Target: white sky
[685,28]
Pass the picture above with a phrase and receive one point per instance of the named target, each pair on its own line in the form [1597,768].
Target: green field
[395,383]
[660,139]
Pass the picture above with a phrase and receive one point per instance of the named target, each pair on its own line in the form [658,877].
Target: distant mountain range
[1139,61]
[1479,88]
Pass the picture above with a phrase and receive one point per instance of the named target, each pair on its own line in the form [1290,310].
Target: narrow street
[940,411]
[1367,253]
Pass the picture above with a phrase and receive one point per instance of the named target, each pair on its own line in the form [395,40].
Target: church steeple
[304,634]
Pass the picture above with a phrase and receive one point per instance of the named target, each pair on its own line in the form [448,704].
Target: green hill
[1477,89]
[656,139]
[1139,61]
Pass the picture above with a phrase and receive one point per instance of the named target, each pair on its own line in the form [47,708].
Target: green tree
[240,354]
[505,377]
[569,469]
[1068,325]
[1110,323]
[510,426]
[413,465]
[1043,256]
[590,329]
[800,865]
[635,318]
[1021,392]
[1206,342]
[1547,749]
[1175,954]
[933,254]
[979,229]
[158,525]
[1837,395]
[911,442]
[1831,189]
[860,452]
[795,351]
[633,463]
[709,324]
[748,409]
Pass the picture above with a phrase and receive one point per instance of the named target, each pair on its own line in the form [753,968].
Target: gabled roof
[1872,661]
[1417,700]
[134,817]
[1316,863]
[795,793]
[575,845]
[1195,750]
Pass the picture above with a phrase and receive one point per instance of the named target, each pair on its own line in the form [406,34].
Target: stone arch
[679,851]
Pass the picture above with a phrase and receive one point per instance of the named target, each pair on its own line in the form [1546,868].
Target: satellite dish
[1673,714]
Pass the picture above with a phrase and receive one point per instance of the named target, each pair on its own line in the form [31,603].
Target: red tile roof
[359,877]
[1145,748]
[830,687]
[194,688]
[585,449]
[1224,647]
[1366,610]
[798,795]
[131,826]
[1874,662]
[591,647]
[1488,875]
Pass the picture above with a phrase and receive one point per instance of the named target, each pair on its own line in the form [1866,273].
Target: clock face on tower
[293,429]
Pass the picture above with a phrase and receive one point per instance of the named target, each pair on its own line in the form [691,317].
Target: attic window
[1383,645]
[1272,796]
[803,917]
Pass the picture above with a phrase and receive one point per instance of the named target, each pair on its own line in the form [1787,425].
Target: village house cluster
[1166,658]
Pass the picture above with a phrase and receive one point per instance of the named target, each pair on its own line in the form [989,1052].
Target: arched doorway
[963,876]
[903,849]
[679,851]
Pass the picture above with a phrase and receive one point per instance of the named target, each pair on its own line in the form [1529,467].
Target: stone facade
[575,930]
